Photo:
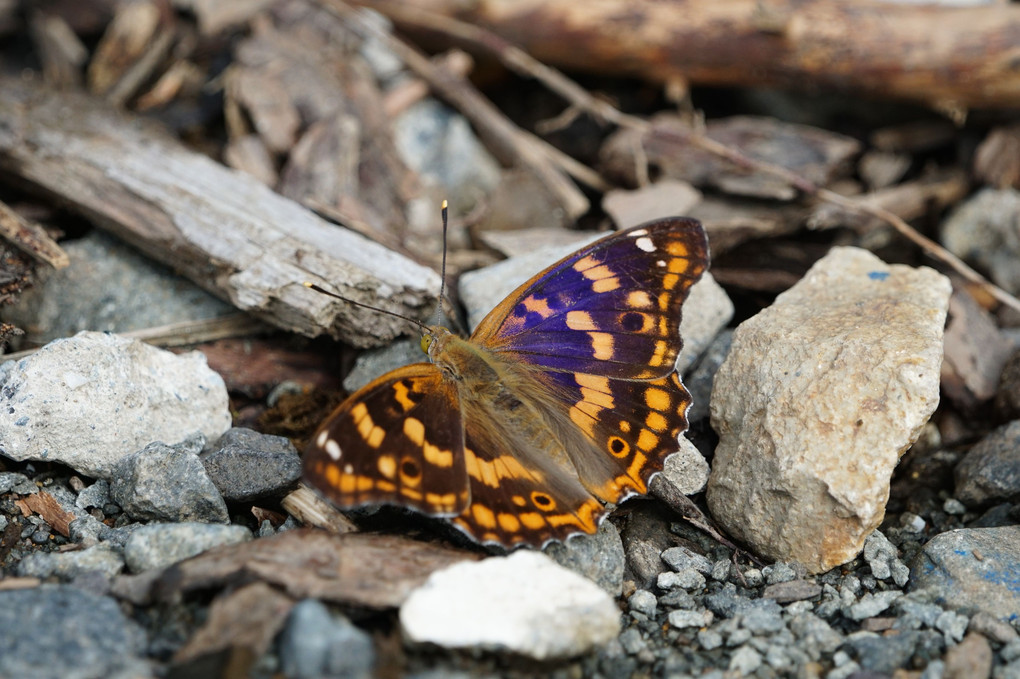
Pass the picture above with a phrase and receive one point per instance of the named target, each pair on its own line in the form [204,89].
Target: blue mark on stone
[878,275]
[21,421]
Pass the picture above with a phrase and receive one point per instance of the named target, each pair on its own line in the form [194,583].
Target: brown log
[949,57]
[223,229]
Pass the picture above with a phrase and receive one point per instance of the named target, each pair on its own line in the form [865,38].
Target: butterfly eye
[426,342]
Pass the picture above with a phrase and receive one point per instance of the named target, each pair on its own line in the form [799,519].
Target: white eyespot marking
[348,469]
[321,439]
[332,449]
[645,243]
[661,262]
[639,233]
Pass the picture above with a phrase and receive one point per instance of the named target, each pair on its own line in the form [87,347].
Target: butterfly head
[432,340]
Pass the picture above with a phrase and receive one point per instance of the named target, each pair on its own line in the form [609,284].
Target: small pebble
[709,639]
[745,660]
[683,619]
[953,507]
[753,577]
[779,572]
[912,522]
[643,601]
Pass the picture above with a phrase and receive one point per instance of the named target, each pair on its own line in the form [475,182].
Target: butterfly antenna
[442,273]
[421,326]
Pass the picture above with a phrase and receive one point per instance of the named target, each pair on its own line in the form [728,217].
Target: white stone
[123,395]
[523,603]
[817,400]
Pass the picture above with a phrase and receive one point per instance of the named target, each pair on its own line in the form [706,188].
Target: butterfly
[563,401]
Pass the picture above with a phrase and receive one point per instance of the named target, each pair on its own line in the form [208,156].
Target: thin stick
[521,62]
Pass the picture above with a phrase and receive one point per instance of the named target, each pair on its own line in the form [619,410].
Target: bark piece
[373,571]
[222,229]
[240,626]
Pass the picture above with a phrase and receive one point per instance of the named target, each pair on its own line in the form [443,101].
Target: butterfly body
[564,399]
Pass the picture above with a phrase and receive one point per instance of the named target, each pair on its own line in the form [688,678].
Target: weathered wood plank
[222,229]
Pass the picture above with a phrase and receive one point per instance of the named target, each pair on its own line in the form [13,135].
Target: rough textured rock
[598,557]
[985,230]
[687,469]
[990,471]
[817,400]
[63,632]
[158,545]
[523,603]
[167,483]
[247,466]
[316,643]
[91,399]
[972,569]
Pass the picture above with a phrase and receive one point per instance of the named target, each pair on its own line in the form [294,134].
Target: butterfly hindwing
[523,499]
[398,440]
[612,308]
[632,425]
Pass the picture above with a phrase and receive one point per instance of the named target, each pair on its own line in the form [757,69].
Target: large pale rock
[523,603]
[819,397]
[89,400]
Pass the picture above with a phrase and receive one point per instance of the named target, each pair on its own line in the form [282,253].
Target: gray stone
[843,366]
[762,620]
[871,605]
[815,636]
[883,653]
[990,471]
[164,483]
[643,601]
[972,569]
[779,572]
[686,578]
[62,632]
[699,381]
[109,287]
[437,142]
[687,469]
[97,495]
[159,545]
[709,639]
[985,230]
[598,557]
[316,644]
[632,641]
[679,558]
[952,625]
[745,660]
[883,559]
[246,466]
[683,619]
[927,613]
[375,362]
[68,565]
[524,603]
[89,400]
[8,480]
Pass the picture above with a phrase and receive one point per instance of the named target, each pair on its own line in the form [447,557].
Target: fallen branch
[951,58]
[522,62]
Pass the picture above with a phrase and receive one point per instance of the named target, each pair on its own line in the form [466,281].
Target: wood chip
[371,571]
[46,506]
[240,626]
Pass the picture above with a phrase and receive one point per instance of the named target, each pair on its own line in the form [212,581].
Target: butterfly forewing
[612,308]
[398,440]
